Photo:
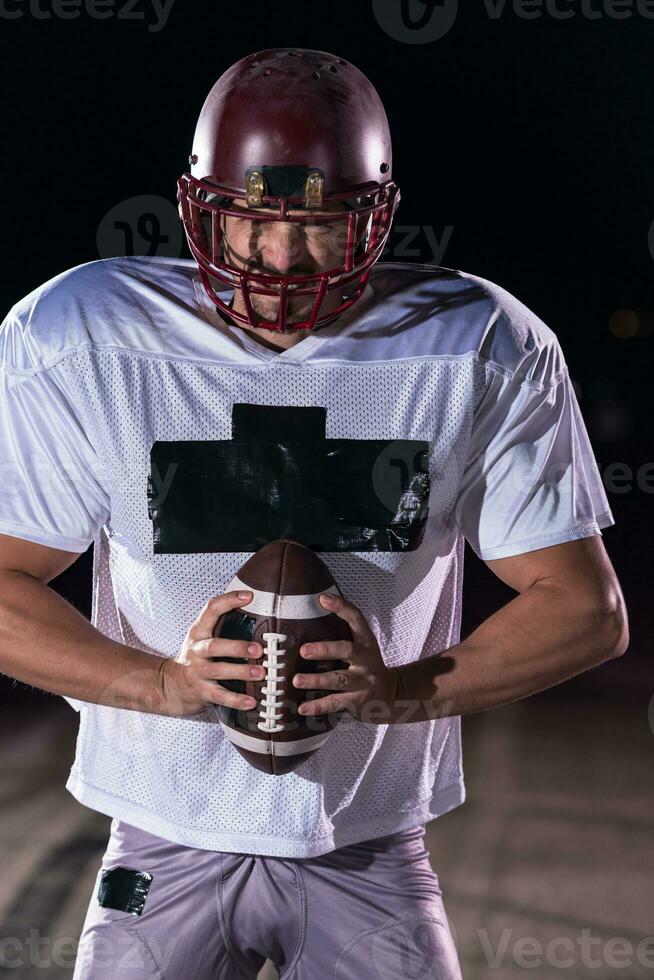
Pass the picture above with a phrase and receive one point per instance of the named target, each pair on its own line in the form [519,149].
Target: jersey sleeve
[531,479]
[53,488]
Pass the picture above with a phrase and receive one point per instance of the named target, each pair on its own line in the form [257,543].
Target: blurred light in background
[611,420]
[625,324]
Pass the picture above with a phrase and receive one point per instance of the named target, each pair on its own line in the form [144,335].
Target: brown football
[286,579]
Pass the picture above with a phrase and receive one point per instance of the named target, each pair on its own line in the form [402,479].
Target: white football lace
[273,690]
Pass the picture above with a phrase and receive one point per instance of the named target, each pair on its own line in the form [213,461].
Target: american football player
[285,383]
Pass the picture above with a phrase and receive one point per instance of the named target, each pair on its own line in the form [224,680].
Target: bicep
[37,560]
[582,565]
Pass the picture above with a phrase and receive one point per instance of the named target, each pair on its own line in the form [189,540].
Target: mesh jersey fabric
[108,357]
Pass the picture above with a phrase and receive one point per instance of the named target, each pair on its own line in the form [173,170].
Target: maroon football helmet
[290,130]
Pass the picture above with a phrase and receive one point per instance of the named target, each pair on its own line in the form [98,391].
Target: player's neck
[274,339]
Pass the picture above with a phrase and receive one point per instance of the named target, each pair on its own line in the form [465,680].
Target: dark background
[524,144]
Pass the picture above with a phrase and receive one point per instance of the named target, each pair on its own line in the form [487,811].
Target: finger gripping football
[286,579]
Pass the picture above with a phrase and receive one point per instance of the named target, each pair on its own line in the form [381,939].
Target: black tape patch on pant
[280,477]
[124,889]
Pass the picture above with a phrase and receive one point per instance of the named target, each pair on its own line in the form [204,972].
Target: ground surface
[555,843]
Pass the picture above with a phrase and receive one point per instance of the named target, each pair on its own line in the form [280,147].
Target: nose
[283,247]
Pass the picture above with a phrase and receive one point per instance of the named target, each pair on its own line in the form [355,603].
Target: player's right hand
[193,680]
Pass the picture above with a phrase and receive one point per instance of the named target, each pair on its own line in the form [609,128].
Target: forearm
[539,639]
[46,642]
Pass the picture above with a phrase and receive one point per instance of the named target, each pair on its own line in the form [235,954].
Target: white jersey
[107,360]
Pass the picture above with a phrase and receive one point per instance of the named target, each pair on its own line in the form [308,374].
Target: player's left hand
[367,688]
